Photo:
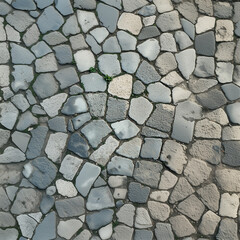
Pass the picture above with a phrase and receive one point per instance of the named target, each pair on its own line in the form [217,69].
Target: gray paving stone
[47,203]
[108,16]
[93,82]
[224,72]
[50,20]
[40,49]
[37,141]
[17,53]
[47,63]
[71,26]
[5,135]
[39,86]
[86,178]
[126,41]
[149,49]
[26,201]
[70,207]
[120,166]
[75,90]
[197,85]
[97,103]
[138,193]
[11,155]
[147,10]
[208,41]
[188,28]
[186,62]
[63,54]
[167,42]
[216,100]
[166,62]
[99,34]
[231,91]
[223,9]
[54,38]
[169,21]
[47,228]
[132,6]
[78,145]
[79,120]
[111,45]
[109,64]
[205,67]
[233,113]
[151,148]
[7,220]
[115,3]
[147,173]
[87,20]
[130,61]
[231,150]
[100,198]
[148,32]
[10,174]
[90,5]
[21,140]
[99,219]
[126,214]
[43,3]
[164,230]
[205,6]
[20,20]
[188,10]
[227,230]
[95,47]
[5,202]
[125,129]
[26,120]
[182,39]
[64,7]
[20,102]
[225,51]
[138,87]
[5,8]
[143,235]
[9,233]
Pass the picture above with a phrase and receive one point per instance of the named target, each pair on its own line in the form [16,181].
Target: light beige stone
[148,21]
[204,24]
[209,223]
[160,196]
[121,86]
[224,30]
[218,116]
[66,188]
[229,205]
[163,5]
[172,79]
[130,22]
[159,211]
[168,180]
[231,133]
[4,75]
[143,219]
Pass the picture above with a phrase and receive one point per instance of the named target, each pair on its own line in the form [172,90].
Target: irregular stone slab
[224,30]
[201,85]
[167,42]
[126,214]
[70,207]
[159,211]
[181,226]
[10,173]
[87,63]
[80,120]
[169,21]
[166,62]
[24,5]
[111,45]
[138,193]
[229,205]
[147,173]
[55,146]
[50,20]
[142,219]
[212,99]
[5,72]
[93,82]
[26,201]
[164,230]
[95,131]
[31,36]
[231,133]
[75,104]
[8,115]
[126,41]
[100,198]
[5,135]
[231,150]
[47,228]
[40,172]
[208,41]
[20,102]
[39,86]
[12,155]
[189,11]
[109,64]
[210,196]
[9,233]
[5,202]
[17,53]
[108,20]
[132,6]
[227,230]
[130,22]
[120,166]
[90,5]
[182,190]
[149,49]
[70,166]
[233,112]
[159,93]
[71,26]
[66,188]
[20,20]
[98,219]
[191,207]
[225,51]
[182,39]
[174,156]
[7,220]
[63,53]
[58,124]
[130,148]
[125,129]
[99,34]
[205,67]
[47,63]
[27,225]
[224,72]
[68,228]
[103,153]
[26,120]
[64,7]
[147,73]
[43,3]
[97,103]
[209,223]
[54,38]
[151,148]
[36,143]
[207,129]
[168,180]
[87,20]
[78,145]
[86,178]
[121,86]
[130,61]
[231,91]
[186,62]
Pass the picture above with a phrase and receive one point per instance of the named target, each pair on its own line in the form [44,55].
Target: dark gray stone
[78,145]
[232,153]
[47,228]
[63,54]
[50,20]
[205,67]
[231,91]
[148,32]
[138,193]
[147,73]
[222,9]
[108,16]
[151,148]
[58,124]
[162,117]
[143,235]
[111,45]
[46,203]
[70,207]
[24,4]
[147,10]
[212,99]
[99,219]
[148,173]
[40,172]
[37,141]
[228,230]
[205,44]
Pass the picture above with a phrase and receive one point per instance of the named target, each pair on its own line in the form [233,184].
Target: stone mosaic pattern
[119,119]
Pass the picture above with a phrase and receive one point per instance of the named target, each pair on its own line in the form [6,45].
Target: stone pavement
[119,119]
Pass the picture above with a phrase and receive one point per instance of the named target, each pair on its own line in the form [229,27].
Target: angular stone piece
[149,49]
[159,211]
[224,30]
[21,55]
[138,193]
[68,228]
[109,64]
[233,112]
[143,219]
[166,63]
[205,67]
[232,151]
[126,214]
[47,63]
[227,230]
[87,20]
[208,41]
[130,22]
[164,230]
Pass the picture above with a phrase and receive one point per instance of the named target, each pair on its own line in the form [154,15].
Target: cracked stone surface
[119,119]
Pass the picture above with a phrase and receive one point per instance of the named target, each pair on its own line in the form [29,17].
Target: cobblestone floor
[119,119]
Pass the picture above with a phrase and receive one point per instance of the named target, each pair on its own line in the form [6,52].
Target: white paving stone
[229,205]
[66,188]
[84,59]
[130,22]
